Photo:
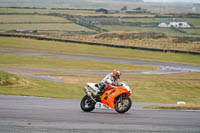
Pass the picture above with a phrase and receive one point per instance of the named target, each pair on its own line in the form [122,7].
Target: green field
[81,49]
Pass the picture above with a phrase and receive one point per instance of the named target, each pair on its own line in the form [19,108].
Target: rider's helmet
[116,75]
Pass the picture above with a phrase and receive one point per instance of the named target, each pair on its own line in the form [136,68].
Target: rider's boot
[98,95]
[99,92]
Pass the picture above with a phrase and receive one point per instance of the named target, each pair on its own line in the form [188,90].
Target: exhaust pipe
[89,94]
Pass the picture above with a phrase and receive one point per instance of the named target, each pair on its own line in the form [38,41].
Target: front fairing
[126,86]
[109,96]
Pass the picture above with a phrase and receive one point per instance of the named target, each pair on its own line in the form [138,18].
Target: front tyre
[123,104]
[87,104]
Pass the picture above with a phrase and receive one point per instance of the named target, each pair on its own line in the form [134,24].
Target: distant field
[45,11]
[61,27]
[43,24]
[144,20]
[44,27]
[30,18]
[194,21]
[70,12]
[191,32]
[81,49]
[167,31]
[119,28]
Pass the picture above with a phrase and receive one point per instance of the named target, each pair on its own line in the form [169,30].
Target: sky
[190,1]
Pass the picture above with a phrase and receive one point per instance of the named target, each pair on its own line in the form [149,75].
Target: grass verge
[29,61]
[177,107]
[146,88]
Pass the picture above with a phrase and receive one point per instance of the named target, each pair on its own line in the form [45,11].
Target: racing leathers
[108,79]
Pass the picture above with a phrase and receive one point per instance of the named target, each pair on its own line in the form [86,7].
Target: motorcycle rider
[110,79]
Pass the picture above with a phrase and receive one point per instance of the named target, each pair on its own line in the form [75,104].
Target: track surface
[19,114]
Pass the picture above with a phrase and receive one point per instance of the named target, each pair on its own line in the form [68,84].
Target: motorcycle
[115,98]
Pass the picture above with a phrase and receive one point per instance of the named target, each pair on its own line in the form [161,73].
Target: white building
[177,24]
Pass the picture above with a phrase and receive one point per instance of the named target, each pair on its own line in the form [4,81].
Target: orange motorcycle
[115,98]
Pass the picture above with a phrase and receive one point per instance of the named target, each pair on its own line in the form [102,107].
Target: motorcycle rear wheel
[124,105]
[87,104]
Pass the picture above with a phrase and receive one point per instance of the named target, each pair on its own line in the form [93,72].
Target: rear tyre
[124,105]
[87,104]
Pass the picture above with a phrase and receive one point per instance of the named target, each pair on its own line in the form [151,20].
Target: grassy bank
[28,61]
[81,49]
[146,88]
[8,78]
[37,87]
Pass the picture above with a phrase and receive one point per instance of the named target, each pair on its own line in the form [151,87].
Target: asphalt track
[21,114]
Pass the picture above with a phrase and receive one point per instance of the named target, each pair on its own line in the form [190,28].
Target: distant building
[138,10]
[124,9]
[175,23]
[104,11]
[101,20]
[194,10]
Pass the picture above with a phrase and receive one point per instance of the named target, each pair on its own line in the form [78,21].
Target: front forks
[121,99]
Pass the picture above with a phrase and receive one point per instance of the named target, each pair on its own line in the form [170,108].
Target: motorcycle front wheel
[87,104]
[123,105]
